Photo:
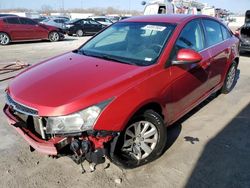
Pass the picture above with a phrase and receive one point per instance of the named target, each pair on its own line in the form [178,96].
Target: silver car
[56,22]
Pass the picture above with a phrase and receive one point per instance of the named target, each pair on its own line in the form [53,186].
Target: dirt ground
[210,147]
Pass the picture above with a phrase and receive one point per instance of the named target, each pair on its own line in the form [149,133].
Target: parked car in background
[124,17]
[40,19]
[247,16]
[81,27]
[56,22]
[102,19]
[24,29]
[116,95]
[114,18]
[244,33]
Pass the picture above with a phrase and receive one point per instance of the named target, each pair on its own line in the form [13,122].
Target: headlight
[68,26]
[77,122]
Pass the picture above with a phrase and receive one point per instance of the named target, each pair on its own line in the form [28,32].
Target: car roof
[4,17]
[97,17]
[165,18]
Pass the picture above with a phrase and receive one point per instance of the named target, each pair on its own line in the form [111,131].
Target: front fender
[155,89]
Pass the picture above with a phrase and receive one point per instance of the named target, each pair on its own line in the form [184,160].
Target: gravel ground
[209,147]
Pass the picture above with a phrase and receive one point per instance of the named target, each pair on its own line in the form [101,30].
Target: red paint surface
[72,82]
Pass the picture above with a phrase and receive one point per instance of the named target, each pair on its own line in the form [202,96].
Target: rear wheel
[54,36]
[230,79]
[142,141]
[79,33]
[4,39]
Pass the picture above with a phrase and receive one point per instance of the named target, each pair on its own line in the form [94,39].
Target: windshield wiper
[110,58]
[104,56]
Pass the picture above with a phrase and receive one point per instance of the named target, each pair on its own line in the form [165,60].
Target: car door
[219,49]
[86,26]
[40,31]
[29,27]
[16,30]
[189,81]
[96,27]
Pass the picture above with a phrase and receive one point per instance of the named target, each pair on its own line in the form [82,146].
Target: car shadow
[224,161]
[174,130]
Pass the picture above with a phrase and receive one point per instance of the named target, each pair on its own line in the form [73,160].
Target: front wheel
[142,141]
[54,36]
[4,39]
[230,79]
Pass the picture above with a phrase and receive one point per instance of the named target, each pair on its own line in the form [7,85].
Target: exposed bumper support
[43,146]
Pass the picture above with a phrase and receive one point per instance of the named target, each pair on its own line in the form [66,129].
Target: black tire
[54,36]
[70,35]
[4,38]
[128,159]
[79,33]
[230,79]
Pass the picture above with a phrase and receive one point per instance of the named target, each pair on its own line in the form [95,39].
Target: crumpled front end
[90,145]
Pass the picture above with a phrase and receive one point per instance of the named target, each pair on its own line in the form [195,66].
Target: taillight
[237,33]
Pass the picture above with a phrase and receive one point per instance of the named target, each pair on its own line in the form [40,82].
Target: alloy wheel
[140,139]
[54,36]
[4,39]
[231,77]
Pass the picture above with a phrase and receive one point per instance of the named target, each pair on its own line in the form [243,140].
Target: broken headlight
[77,122]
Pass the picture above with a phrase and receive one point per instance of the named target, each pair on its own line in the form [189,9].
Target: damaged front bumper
[92,146]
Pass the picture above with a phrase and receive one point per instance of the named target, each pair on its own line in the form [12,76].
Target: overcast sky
[232,5]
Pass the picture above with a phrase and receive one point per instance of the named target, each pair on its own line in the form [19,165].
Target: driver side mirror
[186,56]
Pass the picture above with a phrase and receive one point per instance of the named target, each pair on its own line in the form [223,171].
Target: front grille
[20,107]
[245,45]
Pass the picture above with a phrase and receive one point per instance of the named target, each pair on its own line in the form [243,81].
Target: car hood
[71,82]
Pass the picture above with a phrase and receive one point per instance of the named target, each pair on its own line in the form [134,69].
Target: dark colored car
[244,34]
[4,15]
[81,27]
[25,29]
[116,95]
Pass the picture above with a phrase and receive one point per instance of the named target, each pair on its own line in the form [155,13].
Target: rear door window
[213,32]
[100,19]
[14,20]
[26,21]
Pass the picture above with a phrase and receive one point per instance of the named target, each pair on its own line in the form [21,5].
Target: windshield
[129,42]
[46,20]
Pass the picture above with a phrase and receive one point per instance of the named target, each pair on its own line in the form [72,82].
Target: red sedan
[14,28]
[116,95]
